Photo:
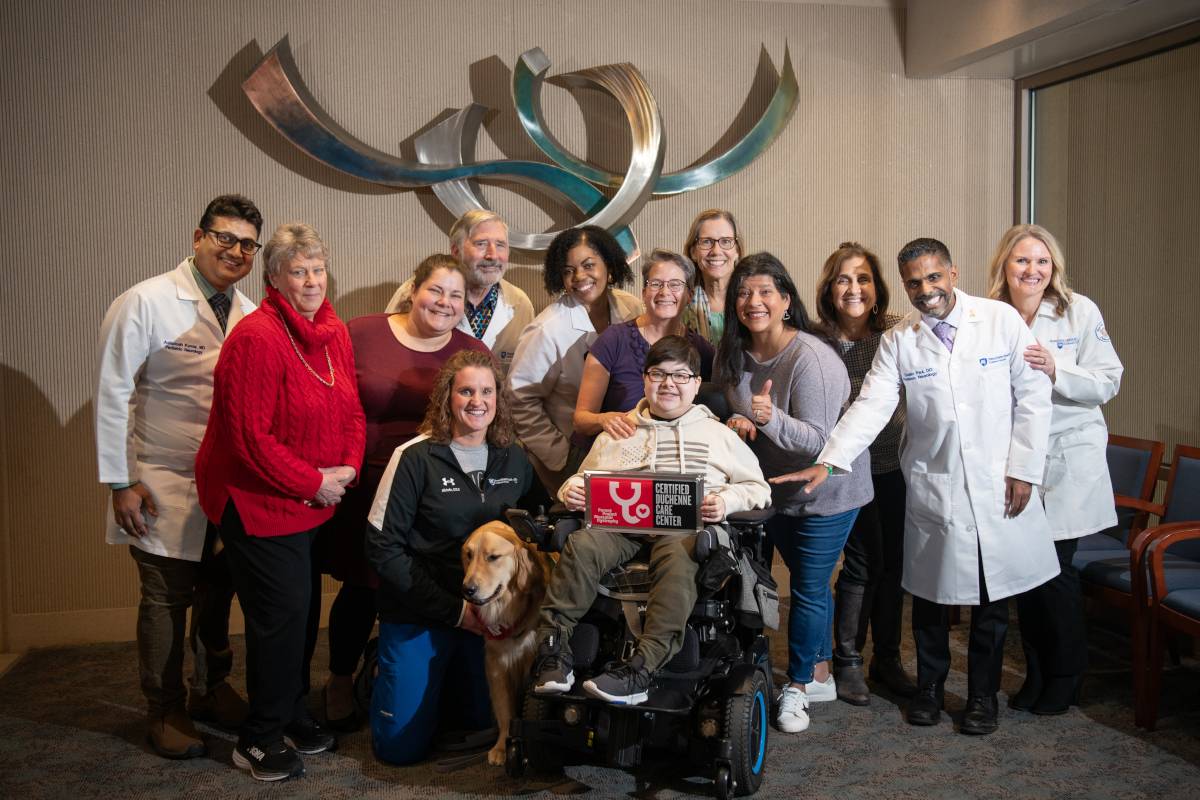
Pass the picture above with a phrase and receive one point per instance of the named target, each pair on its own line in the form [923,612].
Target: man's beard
[480,280]
[923,299]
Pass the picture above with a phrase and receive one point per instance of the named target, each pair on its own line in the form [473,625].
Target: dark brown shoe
[222,705]
[174,736]
[889,671]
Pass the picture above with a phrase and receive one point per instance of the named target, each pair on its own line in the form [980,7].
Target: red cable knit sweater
[273,423]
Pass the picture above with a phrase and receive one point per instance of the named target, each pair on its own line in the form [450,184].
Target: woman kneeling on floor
[462,471]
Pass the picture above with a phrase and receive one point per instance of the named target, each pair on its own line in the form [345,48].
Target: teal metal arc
[277,91]
[530,73]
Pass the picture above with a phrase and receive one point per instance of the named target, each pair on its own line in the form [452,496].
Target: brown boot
[339,704]
[174,736]
[847,660]
[222,705]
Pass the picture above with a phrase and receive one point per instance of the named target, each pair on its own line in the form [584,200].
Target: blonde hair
[438,424]
[1059,290]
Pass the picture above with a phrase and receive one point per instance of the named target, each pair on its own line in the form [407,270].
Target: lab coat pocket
[996,388]
[929,494]
[1085,455]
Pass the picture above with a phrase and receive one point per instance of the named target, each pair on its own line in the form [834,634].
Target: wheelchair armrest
[755,517]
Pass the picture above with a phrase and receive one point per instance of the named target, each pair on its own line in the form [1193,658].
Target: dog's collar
[504,632]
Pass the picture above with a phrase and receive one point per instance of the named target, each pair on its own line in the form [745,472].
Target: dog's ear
[525,568]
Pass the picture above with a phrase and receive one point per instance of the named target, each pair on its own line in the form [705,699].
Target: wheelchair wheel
[541,756]
[746,728]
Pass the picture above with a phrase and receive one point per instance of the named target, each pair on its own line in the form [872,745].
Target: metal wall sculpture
[446,152]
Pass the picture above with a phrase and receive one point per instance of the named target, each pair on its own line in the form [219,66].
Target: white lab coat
[974,417]
[548,367]
[154,383]
[1076,489]
[513,312]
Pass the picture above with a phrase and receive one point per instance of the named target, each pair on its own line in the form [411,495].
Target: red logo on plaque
[623,502]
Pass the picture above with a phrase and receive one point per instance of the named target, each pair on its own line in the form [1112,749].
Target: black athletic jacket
[414,542]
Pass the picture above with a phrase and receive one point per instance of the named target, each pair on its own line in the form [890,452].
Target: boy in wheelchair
[670,435]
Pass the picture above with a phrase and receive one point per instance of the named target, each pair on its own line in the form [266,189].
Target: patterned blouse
[857,356]
[703,321]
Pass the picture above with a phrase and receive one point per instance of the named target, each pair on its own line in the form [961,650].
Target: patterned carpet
[71,727]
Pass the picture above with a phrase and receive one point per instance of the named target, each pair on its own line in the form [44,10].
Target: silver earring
[787,315]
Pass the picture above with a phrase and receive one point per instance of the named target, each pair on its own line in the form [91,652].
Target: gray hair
[465,225]
[289,241]
[663,256]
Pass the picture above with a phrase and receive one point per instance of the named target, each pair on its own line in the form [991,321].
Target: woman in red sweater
[396,358]
[284,439]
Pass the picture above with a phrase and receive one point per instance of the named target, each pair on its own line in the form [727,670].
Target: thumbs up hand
[761,407]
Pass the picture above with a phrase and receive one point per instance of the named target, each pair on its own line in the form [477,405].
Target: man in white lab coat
[495,311]
[975,443]
[158,346]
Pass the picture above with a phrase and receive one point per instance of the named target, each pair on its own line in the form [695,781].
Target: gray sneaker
[621,683]
[552,668]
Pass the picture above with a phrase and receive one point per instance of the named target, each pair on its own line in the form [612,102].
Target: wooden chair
[1177,610]
[1178,571]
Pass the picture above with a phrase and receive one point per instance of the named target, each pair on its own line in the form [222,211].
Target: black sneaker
[308,737]
[271,762]
[552,668]
[621,683]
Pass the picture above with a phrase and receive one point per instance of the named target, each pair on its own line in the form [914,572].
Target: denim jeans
[810,547]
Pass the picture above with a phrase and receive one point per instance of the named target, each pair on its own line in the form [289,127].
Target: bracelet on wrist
[826,466]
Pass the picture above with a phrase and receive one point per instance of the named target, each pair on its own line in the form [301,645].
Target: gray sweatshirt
[809,389]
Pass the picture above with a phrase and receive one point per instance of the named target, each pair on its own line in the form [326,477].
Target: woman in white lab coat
[1074,350]
[581,268]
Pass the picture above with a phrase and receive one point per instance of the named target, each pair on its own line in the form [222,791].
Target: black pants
[273,576]
[874,550]
[985,650]
[1051,617]
[351,620]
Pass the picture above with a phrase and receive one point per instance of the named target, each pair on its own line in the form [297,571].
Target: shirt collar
[488,301]
[206,288]
[953,318]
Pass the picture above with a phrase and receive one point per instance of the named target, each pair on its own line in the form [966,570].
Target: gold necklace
[328,361]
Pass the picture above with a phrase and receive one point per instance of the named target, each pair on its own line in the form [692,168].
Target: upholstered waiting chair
[1133,465]
[1171,610]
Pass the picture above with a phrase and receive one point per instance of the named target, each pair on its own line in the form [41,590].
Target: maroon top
[394,384]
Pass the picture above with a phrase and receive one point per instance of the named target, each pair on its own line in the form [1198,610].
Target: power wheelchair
[711,702]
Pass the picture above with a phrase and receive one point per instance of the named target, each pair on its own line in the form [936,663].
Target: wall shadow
[54,493]
[227,95]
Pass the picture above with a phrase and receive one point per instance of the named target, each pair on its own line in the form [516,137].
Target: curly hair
[601,243]
[727,368]
[1059,290]
[827,319]
[438,422]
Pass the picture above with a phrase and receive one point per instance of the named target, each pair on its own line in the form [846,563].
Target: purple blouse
[622,350]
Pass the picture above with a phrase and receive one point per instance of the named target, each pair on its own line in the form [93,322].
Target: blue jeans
[415,664]
[810,547]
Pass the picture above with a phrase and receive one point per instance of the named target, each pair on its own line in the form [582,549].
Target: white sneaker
[821,692]
[793,710]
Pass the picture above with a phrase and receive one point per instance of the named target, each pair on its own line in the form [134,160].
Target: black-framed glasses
[658,376]
[227,240]
[726,242]
[675,285]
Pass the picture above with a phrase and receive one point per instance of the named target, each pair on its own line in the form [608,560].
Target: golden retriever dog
[506,582]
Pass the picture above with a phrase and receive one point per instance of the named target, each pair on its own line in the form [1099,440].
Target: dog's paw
[496,755]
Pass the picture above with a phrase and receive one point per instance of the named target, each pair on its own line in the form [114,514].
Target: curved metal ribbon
[278,92]
[530,72]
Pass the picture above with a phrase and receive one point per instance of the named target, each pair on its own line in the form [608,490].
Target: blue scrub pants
[810,547]
[416,664]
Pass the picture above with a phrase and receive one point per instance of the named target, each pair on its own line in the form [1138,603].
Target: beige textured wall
[125,121]
[1117,179]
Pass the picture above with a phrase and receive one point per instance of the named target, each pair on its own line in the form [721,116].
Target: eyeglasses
[674,284]
[726,243]
[658,376]
[228,240]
